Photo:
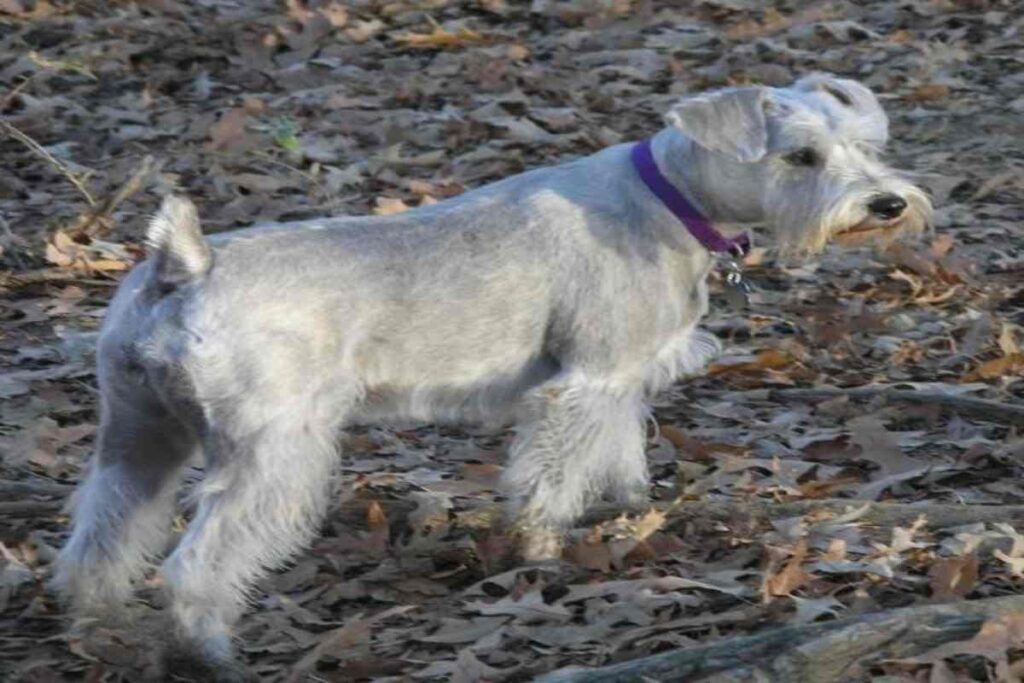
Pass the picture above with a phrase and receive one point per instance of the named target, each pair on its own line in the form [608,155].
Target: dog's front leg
[580,437]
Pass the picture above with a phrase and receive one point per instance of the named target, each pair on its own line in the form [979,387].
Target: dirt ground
[265,111]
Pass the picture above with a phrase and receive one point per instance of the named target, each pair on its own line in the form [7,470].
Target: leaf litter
[289,110]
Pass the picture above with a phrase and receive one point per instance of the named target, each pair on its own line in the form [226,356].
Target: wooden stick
[981,408]
[885,515]
[810,653]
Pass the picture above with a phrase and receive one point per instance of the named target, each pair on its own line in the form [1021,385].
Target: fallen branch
[810,653]
[981,408]
[938,515]
[884,515]
[353,512]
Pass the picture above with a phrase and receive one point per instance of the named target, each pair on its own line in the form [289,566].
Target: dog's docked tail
[177,248]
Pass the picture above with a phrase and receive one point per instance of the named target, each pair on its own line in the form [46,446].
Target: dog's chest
[683,299]
[680,348]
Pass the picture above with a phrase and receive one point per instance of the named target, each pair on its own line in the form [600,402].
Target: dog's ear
[730,121]
[871,124]
[176,245]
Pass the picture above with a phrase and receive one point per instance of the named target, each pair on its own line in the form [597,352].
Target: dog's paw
[705,347]
[541,545]
[182,661]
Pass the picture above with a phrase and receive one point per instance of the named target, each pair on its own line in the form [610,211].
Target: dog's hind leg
[123,509]
[122,512]
[270,459]
[580,439]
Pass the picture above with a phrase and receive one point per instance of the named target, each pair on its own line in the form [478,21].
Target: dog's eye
[839,95]
[802,157]
[870,151]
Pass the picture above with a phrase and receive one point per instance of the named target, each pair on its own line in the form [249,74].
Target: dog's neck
[700,175]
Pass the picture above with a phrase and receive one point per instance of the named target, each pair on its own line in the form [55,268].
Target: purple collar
[686,212]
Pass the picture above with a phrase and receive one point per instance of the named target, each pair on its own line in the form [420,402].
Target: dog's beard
[914,219]
[805,223]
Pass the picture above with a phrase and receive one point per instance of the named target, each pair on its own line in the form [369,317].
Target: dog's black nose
[887,206]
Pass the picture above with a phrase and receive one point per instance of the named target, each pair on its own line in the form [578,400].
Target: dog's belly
[478,395]
[463,350]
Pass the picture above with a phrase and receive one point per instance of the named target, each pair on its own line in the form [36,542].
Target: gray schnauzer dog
[557,300]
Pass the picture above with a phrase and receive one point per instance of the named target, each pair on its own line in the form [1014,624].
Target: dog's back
[447,312]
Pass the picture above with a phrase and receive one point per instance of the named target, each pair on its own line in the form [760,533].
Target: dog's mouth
[869,229]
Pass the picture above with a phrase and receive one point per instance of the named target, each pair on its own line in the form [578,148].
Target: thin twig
[52,160]
[96,223]
[7,98]
[11,280]
[309,177]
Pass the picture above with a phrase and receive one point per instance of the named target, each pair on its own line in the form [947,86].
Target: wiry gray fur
[558,299]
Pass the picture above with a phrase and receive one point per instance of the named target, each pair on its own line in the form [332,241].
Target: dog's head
[806,158]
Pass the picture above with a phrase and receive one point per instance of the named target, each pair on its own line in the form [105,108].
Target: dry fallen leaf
[379,535]
[996,368]
[791,576]
[439,38]
[228,132]
[388,206]
[1015,564]
[929,93]
[1008,339]
[26,10]
[341,641]
[361,31]
[769,359]
[592,551]
[993,640]
[63,251]
[953,577]
[882,447]
[335,12]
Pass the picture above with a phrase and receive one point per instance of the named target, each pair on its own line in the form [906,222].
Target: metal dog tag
[737,287]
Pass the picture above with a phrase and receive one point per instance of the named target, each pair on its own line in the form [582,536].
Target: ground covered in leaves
[288,110]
